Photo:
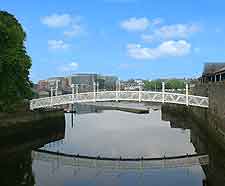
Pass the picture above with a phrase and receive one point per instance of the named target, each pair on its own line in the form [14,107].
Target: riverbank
[24,125]
[11,119]
[31,131]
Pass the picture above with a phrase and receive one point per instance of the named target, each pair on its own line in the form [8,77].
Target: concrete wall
[215,115]
[216,94]
[212,125]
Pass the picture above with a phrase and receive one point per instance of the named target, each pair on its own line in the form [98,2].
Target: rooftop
[212,68]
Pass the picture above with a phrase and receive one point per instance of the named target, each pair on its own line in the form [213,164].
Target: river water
[111,133]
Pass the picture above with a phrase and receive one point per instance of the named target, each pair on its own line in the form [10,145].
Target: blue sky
[128,38]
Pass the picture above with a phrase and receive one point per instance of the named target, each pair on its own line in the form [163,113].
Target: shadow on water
[16,147]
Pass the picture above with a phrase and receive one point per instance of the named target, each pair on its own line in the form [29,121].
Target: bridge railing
[198,101]
[147,96]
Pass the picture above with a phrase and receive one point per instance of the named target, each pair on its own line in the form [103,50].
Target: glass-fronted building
[86,81]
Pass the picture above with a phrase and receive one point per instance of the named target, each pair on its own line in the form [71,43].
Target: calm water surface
[116,133]
[110,133]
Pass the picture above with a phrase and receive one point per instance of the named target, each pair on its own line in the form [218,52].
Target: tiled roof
[221,70]
[212,68]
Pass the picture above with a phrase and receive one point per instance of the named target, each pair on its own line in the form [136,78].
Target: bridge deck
[140,96]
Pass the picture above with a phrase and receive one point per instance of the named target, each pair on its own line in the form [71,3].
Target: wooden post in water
[72,115]
[187,102]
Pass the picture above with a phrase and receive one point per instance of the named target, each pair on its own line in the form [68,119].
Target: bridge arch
[139,96]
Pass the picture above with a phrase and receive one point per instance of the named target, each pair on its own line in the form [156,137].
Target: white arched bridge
[103,96]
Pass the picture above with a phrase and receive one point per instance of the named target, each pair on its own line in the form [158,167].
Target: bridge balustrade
[147,96]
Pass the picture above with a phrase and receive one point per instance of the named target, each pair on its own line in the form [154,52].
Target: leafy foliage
[153,85]
[169,84]
[14,63]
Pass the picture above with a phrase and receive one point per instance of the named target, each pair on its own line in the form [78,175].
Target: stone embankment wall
[212,120]
[208,123]
[22,137]
[216,93]
[11,119]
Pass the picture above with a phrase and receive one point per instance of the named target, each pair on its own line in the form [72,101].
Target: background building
[42,85]
[61,81]
[107,82]
[213,72]
[85,82]
[132,84]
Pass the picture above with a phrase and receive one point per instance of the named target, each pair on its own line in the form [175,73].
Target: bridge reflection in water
[65,159]
[120,163]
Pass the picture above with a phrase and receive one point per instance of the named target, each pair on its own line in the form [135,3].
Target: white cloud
[69,67]
[176,31]
[167,48]
[157,21]
[147,38]
[135,24]
[74,31]
[57,20]
[72,25]
[57,44]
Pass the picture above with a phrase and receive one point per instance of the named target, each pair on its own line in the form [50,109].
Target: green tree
[169,84]
[175,84]
[14,63]
[153,85]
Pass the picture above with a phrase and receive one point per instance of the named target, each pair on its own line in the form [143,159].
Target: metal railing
[139,96]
